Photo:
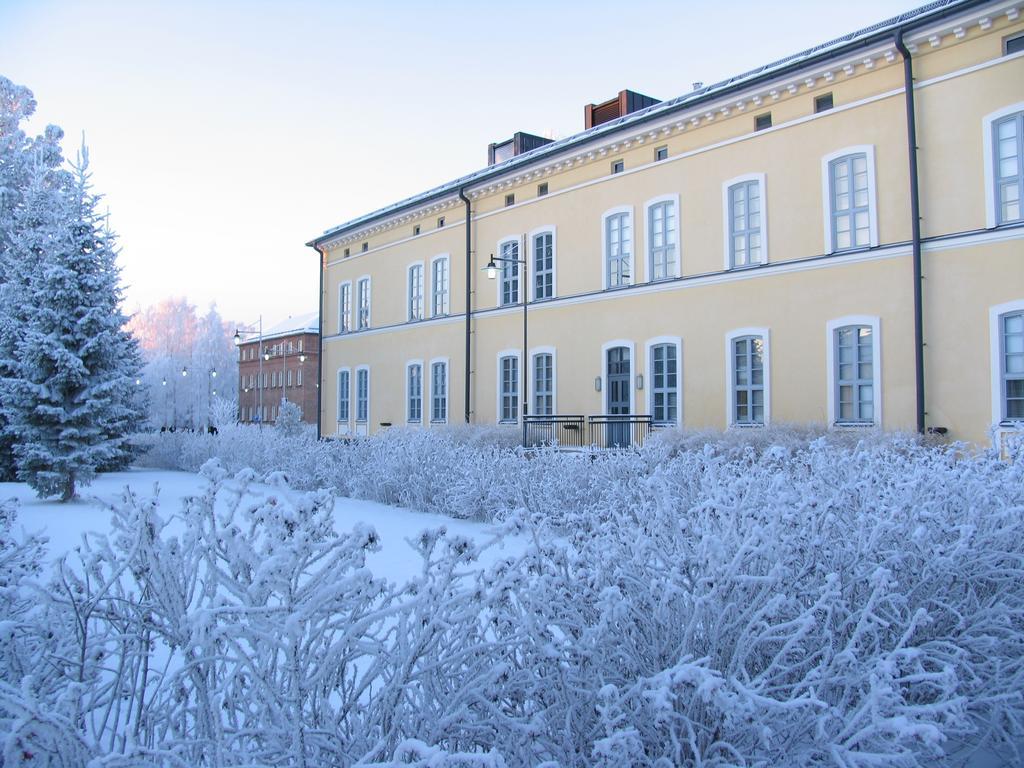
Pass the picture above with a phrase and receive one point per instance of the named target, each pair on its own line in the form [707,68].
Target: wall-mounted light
[640,381]
[597,384]
[184,371]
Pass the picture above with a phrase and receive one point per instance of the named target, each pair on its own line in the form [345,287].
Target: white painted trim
[362,427]
[648,256]
[649,382]
[531,384]
[408,292]
[831,326]
[341,304]
[518,240]
[515,352]
[989,158]
[343,427]
[632,372]
[996,364]
[447,390]
[409,364]
[627,209]
[730,360]
[553,230]
[762,181]
[369,302]
[446,257]
[826,194]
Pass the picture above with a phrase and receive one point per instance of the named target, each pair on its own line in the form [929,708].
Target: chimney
[626,102]
[520,142]
[698,85]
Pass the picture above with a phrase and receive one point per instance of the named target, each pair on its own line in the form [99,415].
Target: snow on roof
[307,323]
[833,47]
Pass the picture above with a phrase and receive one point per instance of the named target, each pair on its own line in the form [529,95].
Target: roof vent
[698,85]
[623,104]
[521,142]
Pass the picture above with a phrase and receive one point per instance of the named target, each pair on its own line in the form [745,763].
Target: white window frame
[991,218]
[605,281]
[532,384]
[343,427]
[344,327]
[649,383]
[604,373]
[415,312]
[545,230]
[408,411]
[500,280]
[677,259]
[868,150]
[999,422]
[362,426]
[369,303]
[516,353]
[447,301]
[730,360]
[875,324]
[447,390]
[762,181]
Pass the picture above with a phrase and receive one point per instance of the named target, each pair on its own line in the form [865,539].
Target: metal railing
[561,430]
[615,431]
[578,431]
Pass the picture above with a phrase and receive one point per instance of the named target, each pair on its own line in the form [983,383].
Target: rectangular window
[854,375]
[763,121]
[298,378]
[543,384]
[1008,140]
[510,199]
[363,304]
[439,302]
[440,222]
[343,395]
[510,272]
[618,249]
[289,378]
[542,189]
[415,287]
[848,193]
[366,247]
[509,383]
[1012,332]
[416,229]
[1013,45]
[348,252]
[662,240]
[748,380]
[823,103]
[439,392]
[362,395]
[618,166]
[745,223]
[414,411]
[264,383]
[664,384]
[543,265]
[661,153]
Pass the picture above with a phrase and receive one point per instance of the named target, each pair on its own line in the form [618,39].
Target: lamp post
[492,273]
[249,331]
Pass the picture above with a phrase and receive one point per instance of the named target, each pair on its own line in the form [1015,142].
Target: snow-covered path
[65,524]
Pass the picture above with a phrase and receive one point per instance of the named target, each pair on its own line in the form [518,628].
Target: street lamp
[250,330]
[492,273]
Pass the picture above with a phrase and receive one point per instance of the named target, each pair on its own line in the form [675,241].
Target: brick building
[280,365]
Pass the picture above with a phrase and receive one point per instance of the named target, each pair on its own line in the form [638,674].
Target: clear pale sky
[227,134]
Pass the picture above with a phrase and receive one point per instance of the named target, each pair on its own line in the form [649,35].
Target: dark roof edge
[864,38]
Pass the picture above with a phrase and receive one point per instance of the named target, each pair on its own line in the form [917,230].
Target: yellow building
[741,255]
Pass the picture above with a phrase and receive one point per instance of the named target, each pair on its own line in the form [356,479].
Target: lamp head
[238,338]
[492,268]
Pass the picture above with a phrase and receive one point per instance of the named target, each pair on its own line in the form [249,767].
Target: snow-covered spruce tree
[18,153]
[69,389]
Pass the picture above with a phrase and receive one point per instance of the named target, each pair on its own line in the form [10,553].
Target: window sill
[508,421]
[853,425]
[439,421]
[746,425]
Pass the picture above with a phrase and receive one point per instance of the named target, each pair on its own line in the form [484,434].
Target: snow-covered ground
[65,524]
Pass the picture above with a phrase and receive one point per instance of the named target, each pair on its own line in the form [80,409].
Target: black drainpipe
[320,347]
[469,292]
[915,227]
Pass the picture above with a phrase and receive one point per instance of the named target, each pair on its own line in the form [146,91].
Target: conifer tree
[69,394]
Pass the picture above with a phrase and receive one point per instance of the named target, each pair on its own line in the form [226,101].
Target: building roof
[841,45]
[292,325]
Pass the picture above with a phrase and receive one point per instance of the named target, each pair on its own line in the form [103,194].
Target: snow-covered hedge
[814,604]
